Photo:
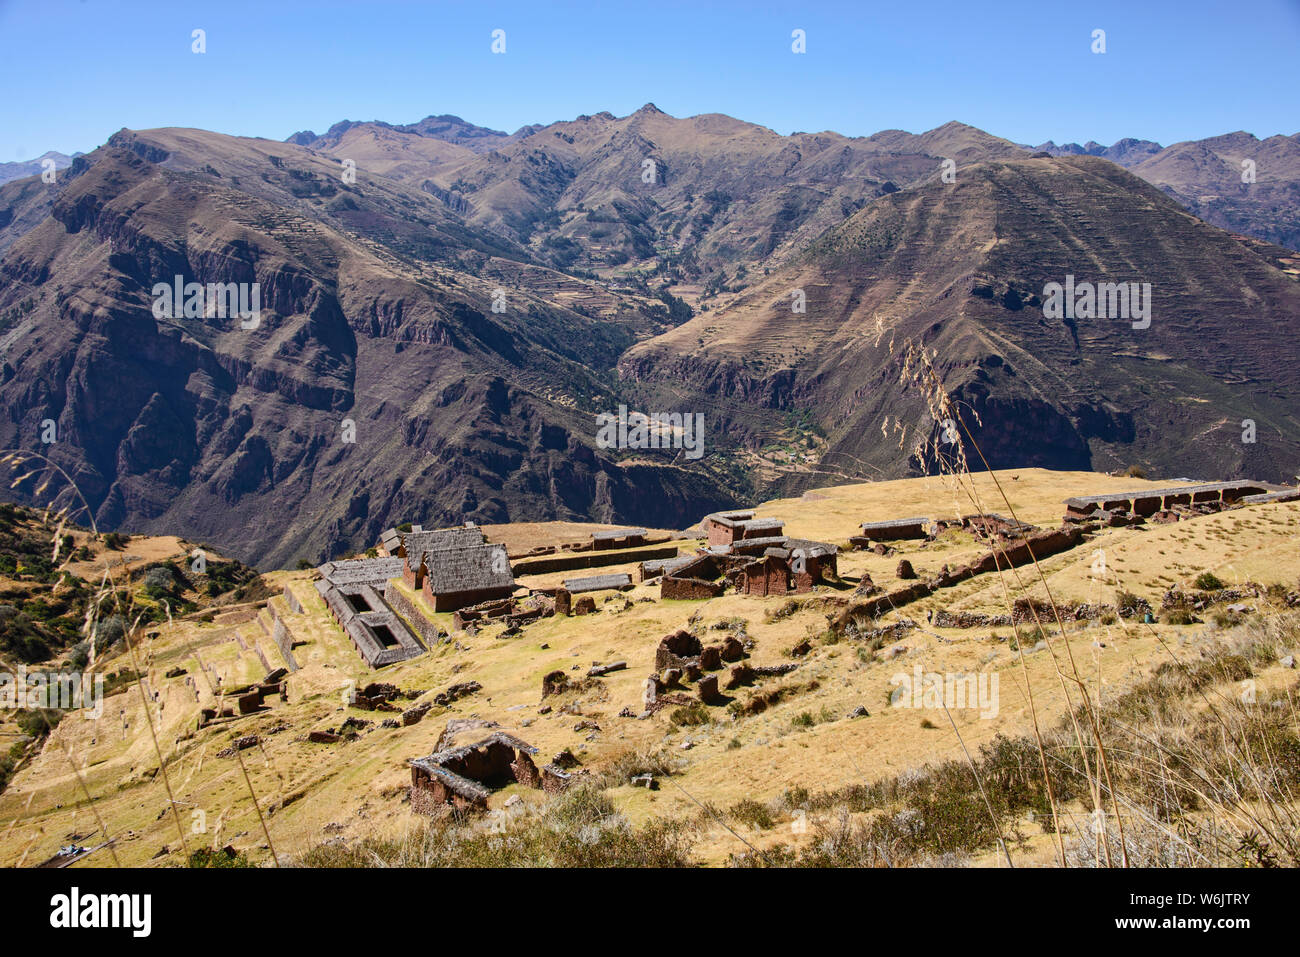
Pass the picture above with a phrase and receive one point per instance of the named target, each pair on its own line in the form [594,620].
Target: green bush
[206,857]
[690,715]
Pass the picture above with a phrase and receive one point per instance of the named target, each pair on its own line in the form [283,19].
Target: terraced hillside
[961,272]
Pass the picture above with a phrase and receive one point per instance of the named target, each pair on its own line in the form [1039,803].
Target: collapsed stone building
[893,530]
[983,527]
[792,567]
[465,777]
[750,554]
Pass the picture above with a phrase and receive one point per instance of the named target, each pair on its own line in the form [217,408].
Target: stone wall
[424,629]
[689,588]
[283,639]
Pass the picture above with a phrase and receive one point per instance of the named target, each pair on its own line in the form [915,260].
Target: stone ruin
[693,579]
[1172,503]
[513,611]
[1036,546]
[985,527]
[898,529]
[683,656]
[464,778]
[618,538]
[750,554]
[356,593]
[248,700]
[724,528]
[678,650]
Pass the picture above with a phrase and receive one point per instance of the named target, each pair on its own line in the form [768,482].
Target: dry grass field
[743,779]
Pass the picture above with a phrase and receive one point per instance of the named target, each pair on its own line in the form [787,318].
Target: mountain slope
[236,436]
[1206,177]
[719,197]
[961,269]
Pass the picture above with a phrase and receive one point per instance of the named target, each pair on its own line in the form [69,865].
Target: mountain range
[34,167]
[439,330]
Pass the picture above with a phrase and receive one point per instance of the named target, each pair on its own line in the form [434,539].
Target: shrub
[579,828]
[38,722]
[690,715]
[1208,581]
[751,812]
[109,631]
[656,761]
[206,857]
[159,581]
[1127,603]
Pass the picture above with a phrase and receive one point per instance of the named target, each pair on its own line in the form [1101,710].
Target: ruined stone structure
[753,555]
[1283,495]
[663,566]
[464,777]
[618,538]
[991,527]
[1013,555]
[892,531]
[693,579]
[678,650]
[354,591]
[1147,502]
[689,589]
[794,566]
[598,583]
[724,528]
[770,575]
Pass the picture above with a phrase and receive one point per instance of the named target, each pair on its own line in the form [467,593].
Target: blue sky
[72,73]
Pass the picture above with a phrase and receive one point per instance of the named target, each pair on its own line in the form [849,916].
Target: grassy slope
[316,792]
